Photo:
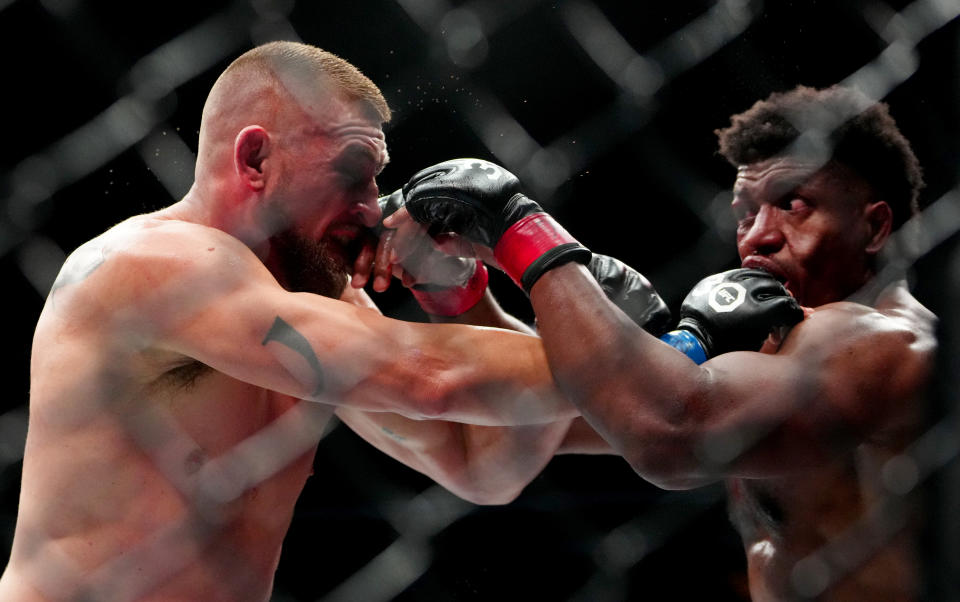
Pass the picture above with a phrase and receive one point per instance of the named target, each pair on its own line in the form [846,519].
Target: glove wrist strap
[455,300]
[535,244]
[687,343]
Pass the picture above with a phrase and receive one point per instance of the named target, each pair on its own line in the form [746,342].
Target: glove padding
[736,310]
[483,203]
[629,290]
[465,280]
[453,271]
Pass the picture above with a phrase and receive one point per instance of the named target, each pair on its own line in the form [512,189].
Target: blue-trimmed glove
[732,311]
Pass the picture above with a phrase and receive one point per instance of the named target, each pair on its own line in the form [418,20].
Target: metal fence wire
[606,111]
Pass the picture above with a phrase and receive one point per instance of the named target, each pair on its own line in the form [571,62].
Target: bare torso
[815,533]
[135,485]
[792,524]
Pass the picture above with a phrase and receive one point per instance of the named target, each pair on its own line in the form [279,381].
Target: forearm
[638,393]
[335,353]
[467,374]
[490,376]
[484,465]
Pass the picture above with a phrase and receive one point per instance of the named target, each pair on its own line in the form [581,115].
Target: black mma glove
[733,311]
[631,292]
[439,300]
[389,205]
[483,202]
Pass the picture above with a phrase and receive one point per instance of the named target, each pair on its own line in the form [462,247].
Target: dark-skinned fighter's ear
[879,219]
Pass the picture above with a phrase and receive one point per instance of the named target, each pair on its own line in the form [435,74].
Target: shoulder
[140,250]
[850,336]
[875,357]
[143,264]
[896,319]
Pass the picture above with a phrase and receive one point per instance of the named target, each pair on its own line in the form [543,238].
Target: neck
[877,283]
[200,206]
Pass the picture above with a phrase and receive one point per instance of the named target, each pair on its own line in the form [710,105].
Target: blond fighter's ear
[251,150]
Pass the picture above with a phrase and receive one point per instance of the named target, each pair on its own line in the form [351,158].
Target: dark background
[644,185]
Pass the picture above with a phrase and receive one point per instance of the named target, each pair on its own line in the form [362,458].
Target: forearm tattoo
[287,335]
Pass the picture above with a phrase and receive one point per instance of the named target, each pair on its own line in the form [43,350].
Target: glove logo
[727,296]
[706,285]
[490,170]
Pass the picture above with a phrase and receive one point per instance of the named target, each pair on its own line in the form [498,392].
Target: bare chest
[786,521]
[211,458]
[794,509]
[242,436]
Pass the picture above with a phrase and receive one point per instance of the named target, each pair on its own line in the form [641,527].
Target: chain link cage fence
[606,110]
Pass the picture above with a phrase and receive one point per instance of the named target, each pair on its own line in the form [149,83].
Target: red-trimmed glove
[446,300]
[483,202]
[453,300]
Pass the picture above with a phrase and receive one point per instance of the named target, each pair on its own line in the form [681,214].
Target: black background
[642,197]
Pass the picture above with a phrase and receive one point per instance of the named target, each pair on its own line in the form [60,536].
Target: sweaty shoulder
[869,361]
[895,315]
[136,272]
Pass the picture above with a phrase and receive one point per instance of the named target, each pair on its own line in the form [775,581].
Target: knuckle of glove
[434,171]
[761,291]
[631,292]
[739,274]
[655,315]
[488,181]
[789,313]
[475,181]
[465,196]
[600,266]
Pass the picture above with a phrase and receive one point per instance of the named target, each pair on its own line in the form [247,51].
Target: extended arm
[482,464]
[836,378]
[202,294]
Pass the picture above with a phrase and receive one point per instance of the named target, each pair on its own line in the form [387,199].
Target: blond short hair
[286,57]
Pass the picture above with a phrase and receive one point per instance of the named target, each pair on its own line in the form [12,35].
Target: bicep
[298,344]
[183,290]
[832,387]
[334,352]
